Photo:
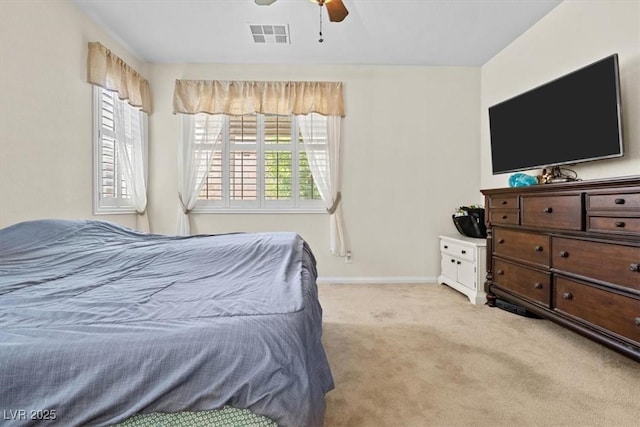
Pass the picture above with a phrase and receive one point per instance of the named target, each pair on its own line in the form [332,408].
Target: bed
[99,322]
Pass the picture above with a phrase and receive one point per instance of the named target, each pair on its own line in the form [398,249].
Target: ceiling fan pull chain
[320,40]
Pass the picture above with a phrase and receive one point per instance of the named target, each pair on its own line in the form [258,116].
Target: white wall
[406,170]
[45,111]
[574,34]
[411,148]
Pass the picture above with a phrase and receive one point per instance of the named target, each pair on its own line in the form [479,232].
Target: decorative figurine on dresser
[570,252]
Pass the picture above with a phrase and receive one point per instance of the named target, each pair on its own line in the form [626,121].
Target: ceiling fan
[335,8]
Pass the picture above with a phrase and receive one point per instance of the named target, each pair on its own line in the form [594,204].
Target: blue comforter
[99,322]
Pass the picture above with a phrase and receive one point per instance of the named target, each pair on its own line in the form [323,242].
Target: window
[111,193]
[259,163]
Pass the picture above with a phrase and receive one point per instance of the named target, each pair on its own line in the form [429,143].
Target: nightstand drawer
[559,212]
[615,312]
[458,250]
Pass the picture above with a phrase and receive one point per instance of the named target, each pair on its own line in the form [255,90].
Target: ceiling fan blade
[337,11]
[265,2]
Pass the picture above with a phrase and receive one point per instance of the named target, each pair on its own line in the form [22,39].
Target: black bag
[472,224]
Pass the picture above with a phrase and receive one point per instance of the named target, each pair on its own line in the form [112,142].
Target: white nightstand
[464,266]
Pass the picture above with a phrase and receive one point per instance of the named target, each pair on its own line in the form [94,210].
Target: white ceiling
[391,32]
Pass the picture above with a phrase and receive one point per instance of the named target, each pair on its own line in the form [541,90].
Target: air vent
[272,34]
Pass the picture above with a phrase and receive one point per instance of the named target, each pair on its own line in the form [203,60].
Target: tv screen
[575,118]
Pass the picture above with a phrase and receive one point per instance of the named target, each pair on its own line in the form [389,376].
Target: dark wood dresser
[570,252]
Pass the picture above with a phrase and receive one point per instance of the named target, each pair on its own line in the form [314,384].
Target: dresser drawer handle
[458,262]
[619,201]
[504,202]
[620,224]
[567,295]
[501,241]
[547,210]
[634,267]
[463,251]
[637,321]
[446,247]
[537,285]
[564,254]
[504,217]
[500,272]
[453,260]
[538,248]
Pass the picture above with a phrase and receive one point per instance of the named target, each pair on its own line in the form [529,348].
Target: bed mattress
[99,322]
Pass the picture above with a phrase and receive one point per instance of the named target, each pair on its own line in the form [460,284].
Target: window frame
[118,205]
[260,205]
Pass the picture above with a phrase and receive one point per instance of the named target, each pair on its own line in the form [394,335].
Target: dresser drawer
[578,238]
[527,282]
[614,201]
[503,216]
[522,245]
[458,250]
[617,264]
[504,202]
[614,312]
[609,224]
[560,212]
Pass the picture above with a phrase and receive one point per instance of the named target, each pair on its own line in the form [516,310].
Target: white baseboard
[378,280]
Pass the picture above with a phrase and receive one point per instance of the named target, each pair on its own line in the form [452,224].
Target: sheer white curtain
[132,157]
[321,137]
[201,138]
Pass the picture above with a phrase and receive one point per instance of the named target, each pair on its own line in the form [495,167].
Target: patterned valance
[246,97]
[107,70]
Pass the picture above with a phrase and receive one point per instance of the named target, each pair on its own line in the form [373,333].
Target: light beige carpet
[422,355]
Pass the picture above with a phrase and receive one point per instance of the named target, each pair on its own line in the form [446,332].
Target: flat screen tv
[574,118]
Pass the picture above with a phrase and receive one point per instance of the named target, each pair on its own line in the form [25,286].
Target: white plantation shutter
[243,160]
[131,154]
[279,159]
[120,157]
[260,165]
[112,188]
[212,189]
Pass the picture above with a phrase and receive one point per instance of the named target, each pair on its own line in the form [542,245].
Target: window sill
[259,211]
[114,211]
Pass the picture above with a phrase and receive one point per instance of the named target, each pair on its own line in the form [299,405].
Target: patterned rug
[225,417]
